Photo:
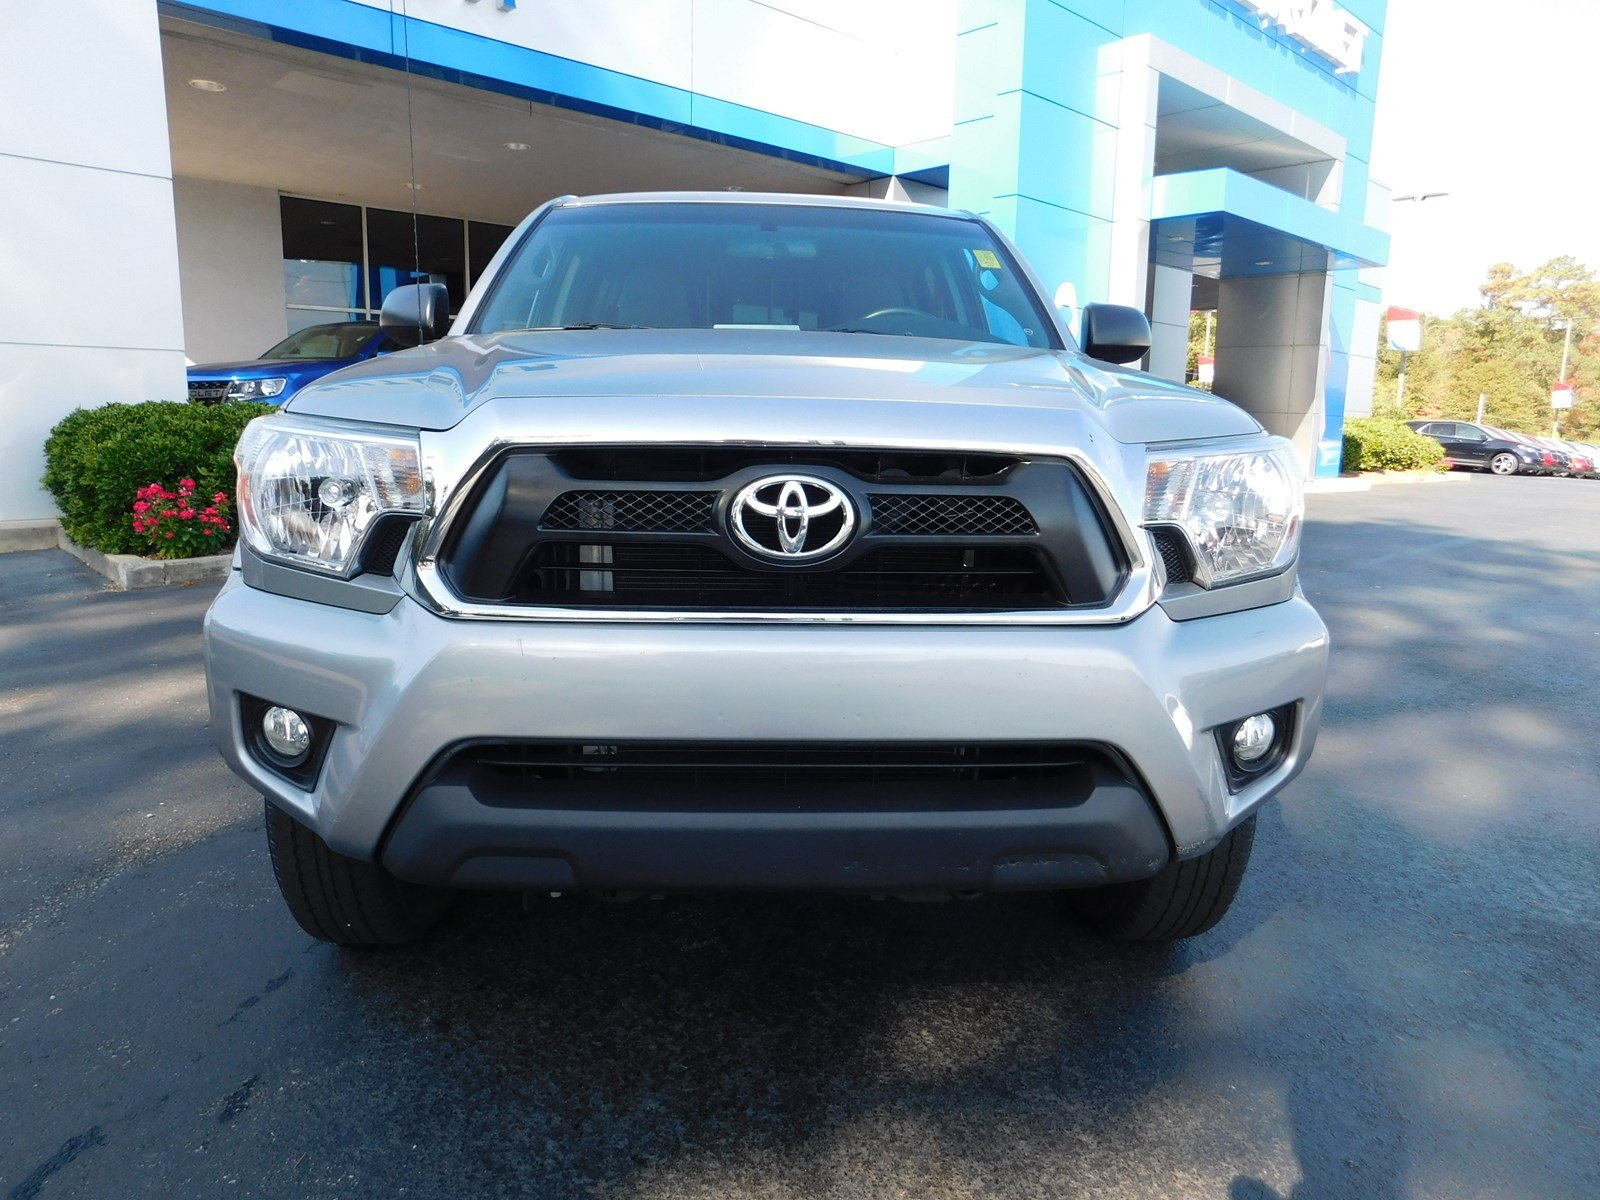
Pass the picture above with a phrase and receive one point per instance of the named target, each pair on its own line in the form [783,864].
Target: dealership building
[198,179]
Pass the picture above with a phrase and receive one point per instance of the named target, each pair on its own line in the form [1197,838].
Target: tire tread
[345,900]
[1186,899]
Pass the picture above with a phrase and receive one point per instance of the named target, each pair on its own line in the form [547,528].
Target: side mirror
[416,313]
[1115,333]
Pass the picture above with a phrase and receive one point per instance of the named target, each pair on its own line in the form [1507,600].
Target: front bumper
[404,686]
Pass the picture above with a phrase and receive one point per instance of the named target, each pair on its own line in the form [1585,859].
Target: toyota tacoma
[728,541]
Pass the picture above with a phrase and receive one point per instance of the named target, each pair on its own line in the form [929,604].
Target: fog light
[286,732]
[1253,738]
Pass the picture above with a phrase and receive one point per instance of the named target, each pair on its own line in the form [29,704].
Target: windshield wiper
[582,325]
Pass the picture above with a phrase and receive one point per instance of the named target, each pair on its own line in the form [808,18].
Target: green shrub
[97,459]
[1381,444]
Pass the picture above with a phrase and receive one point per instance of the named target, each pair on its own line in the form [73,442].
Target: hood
[746,374]
[265,368]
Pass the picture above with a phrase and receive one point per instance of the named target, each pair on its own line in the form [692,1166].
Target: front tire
[1185,899]
[344,900]
[1503,464]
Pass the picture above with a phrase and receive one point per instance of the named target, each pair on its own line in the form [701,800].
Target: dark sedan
[1483,448]
[301,357]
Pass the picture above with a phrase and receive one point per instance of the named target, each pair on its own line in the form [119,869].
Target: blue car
[294,362]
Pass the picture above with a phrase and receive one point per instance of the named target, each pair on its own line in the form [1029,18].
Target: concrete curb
[126,572]
[43,534]
[1367,481]
[130,573]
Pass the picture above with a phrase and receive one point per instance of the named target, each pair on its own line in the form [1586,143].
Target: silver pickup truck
[729,541]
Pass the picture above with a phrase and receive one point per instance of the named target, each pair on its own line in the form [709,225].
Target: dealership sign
[1319,25]
[1561,396]
[1405,330]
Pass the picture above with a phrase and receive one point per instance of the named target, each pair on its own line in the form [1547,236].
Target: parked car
[1555,462]
[1591,452]
[1583,461]
[308,354]
[1484,448]
[1562,455]
[762,542]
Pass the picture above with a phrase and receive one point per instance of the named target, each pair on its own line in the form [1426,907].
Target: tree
[1509,350]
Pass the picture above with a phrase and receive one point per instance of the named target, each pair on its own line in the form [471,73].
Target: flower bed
[176,526]
[99,460]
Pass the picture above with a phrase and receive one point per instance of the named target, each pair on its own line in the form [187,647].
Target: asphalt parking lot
[1402,1002]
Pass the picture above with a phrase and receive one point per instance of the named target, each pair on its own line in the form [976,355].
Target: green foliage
[1380,444]
[1509,351]
[97,459]
[1202,340]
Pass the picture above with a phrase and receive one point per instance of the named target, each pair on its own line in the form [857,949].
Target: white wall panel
[88,244]
[65,94]
[95,253]
[41,384]
[880,70]
[230,259]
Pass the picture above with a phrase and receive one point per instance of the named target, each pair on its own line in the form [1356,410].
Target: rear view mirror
[1115,333]
[416,313]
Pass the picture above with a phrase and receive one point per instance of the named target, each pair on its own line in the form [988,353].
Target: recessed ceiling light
[515,145]
[207,85]
[415,187]
[324,222]
[1176,237]
[1263,262]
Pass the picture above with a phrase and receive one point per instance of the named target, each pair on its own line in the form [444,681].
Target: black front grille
[669,574]
[384,545]
[821,776]
[634,512]
[651,527]
[950,516]
[1174,553]
[208,391]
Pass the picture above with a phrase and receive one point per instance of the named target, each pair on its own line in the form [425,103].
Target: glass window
[1469,432]
[321,254]
[438,246]
[305,318]
[338,340]
[703,266]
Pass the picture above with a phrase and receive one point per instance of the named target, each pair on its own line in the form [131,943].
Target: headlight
[1241,511]
[255,389]
[309,493]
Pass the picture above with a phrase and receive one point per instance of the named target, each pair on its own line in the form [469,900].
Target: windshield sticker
[987,259]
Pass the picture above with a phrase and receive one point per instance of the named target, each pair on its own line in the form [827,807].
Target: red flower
[140,506]
[187,483]
[169,533]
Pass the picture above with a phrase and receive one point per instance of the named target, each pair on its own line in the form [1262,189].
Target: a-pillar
[1272,353]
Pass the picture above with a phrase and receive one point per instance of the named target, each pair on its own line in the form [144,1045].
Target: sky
[1494,102]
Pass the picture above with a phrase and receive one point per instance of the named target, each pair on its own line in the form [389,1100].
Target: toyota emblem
[792,518]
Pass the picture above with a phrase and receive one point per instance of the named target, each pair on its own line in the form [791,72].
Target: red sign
[1561,396]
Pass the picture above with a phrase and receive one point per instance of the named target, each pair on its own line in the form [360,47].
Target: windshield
[324,341]
[771,266]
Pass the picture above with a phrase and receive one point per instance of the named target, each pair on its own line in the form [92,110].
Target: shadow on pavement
[1400,1004]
